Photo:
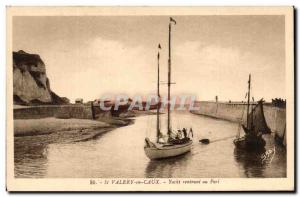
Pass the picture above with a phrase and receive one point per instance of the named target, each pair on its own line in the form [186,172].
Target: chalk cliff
[30,82]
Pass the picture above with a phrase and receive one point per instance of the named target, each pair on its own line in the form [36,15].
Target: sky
[91,56]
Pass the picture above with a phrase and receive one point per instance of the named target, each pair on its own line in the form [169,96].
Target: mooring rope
[221,139]
[217,140]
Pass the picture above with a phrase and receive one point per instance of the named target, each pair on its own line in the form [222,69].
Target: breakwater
[236,112]
[78,111]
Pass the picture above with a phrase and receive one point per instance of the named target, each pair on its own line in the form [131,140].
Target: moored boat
[254,128]
[174,145]
[166,150]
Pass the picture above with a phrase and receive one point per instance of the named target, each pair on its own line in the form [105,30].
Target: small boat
[254,128]
[204,141]
[173,146]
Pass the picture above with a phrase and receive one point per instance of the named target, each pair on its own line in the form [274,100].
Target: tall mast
[169,79]
[252,112]
[158,95]
[248,103]
[169,76]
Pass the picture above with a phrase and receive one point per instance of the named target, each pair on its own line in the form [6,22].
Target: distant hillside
[30,83]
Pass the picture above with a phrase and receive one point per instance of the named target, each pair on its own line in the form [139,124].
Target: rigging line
[149,125]
[241,121]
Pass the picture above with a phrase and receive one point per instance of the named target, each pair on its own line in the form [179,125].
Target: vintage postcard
[150,99]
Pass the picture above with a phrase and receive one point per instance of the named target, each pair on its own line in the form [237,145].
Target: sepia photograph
[150,99]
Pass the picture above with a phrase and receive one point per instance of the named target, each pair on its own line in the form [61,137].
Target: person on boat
[179,134]
[184,133]
[191,132]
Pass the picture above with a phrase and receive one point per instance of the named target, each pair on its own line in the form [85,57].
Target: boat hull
[249,143]
[162,151]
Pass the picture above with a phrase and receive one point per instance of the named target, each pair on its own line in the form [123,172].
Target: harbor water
[119,153]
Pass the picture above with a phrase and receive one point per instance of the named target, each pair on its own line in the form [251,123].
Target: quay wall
[59,111]
[275,117]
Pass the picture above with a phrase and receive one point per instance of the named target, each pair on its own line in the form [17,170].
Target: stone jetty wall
[235,112]
[58,111]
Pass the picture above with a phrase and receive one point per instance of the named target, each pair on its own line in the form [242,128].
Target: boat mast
[248,103]
[158,96]
[169,79]
[252,108]
[169,76]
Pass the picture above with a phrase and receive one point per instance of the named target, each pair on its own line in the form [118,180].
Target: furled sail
[257,122]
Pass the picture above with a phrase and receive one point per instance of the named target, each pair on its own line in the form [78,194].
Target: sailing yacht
[255,127]
[173,146]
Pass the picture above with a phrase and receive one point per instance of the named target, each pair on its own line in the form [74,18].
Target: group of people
[184,132]
[181,136]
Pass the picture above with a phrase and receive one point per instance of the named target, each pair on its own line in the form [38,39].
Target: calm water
[120,153]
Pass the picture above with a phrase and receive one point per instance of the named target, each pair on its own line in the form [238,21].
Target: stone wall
[58,111]
[275,117]
[79,111]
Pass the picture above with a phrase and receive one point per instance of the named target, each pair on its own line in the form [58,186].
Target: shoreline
[28,127]
[53,130]
[81,129]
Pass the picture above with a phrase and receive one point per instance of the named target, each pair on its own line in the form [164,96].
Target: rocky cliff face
[30,82]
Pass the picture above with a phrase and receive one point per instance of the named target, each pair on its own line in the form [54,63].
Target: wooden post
[93,111]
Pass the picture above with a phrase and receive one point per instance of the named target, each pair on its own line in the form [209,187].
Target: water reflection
[164,168]
[30,158]
[269,162]
[252,162]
